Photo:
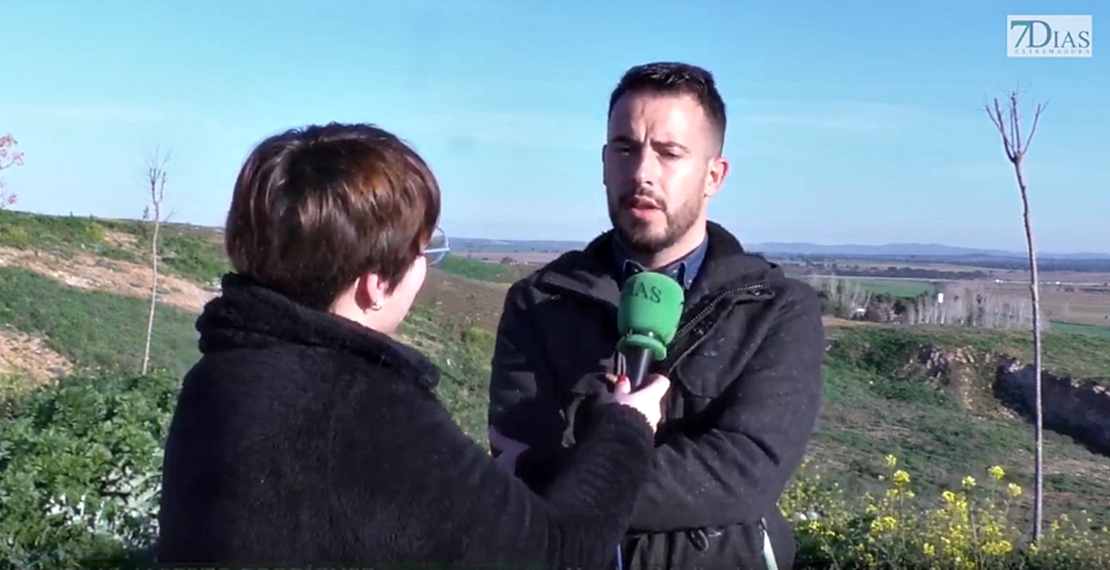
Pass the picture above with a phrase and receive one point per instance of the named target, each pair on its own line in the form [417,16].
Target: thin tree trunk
[1009,127]
[153,289]
[156,177]
[1038,416]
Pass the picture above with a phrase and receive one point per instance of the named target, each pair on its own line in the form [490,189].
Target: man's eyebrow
[666,145]
[671,145]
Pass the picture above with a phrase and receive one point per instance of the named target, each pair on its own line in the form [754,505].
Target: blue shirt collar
[683,270]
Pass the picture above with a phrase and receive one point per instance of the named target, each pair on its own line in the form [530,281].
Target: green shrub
[80,465]
[80,468]
[475,269]
[23,230]
[193,258]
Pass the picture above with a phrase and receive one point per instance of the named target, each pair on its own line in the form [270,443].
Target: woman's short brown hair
[316,207]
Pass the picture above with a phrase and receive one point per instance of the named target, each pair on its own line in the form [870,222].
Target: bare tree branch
[156,163]
[9,157]
[1008,125]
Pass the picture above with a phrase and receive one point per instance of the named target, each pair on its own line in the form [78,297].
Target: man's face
[661,165]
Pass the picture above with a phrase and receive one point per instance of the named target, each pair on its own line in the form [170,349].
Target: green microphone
[647,319]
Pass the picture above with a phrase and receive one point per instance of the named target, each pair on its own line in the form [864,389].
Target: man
[745,366]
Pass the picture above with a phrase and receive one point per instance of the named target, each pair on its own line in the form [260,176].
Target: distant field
[896,288]
[1069,304]
[1101,332]
[464,301]
[476,269]
[517,256]
[483,270]
[1100,278]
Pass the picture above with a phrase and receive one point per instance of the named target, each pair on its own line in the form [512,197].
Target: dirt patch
[839,322]
[1075,467]
[122,240]
[28,356]
[470,302]
[89,272]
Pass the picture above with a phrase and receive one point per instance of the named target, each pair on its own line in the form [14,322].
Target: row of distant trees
[963,305]
[893,271]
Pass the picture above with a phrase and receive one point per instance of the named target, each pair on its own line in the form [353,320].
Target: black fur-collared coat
[303,438]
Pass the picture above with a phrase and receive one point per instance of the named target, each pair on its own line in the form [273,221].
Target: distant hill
[929,250]
[465,244]
[904,250]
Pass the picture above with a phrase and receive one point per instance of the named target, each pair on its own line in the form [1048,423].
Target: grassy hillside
[187,251]
[94,329]
[878,400]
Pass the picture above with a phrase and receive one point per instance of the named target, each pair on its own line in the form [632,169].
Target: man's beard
[641,237]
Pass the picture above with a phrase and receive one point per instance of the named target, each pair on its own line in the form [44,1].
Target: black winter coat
[746,375]
[303,438]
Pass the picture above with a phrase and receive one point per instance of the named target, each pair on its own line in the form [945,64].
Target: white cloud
[532,130]
[89,112]
[847,116]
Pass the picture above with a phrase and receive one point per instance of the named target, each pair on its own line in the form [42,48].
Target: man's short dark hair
[315,208]
[675,78]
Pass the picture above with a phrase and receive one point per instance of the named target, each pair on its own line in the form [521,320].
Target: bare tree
[1008,123]
[9,157]
[156,180]
[846,296]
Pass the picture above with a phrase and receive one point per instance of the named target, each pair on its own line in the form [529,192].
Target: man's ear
[370,292]
[715,178]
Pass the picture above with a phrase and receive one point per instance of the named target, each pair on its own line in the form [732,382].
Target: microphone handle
[637,363]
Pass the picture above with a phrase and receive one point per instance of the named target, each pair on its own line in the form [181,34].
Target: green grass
[1102,332]
[462,355]
[95,329]
[877,403]
[185,251]
[197,259]
[59,234]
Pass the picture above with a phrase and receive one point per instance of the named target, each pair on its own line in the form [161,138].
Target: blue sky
[849,120]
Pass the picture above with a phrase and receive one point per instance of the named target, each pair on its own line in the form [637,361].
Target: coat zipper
[702,314]
[713,303]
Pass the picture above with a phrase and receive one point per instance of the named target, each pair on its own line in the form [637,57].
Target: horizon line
[972,249]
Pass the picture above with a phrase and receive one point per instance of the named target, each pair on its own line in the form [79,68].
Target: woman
[306,435]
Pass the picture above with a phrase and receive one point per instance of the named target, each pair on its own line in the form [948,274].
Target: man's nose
[647,169]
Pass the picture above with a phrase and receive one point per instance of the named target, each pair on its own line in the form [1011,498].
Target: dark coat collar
[593,270]
[249,315]
[683,270]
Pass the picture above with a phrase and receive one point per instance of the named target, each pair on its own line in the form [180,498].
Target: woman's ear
[370,292]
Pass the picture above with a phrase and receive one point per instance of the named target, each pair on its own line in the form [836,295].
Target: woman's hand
[648,400]
[510,450]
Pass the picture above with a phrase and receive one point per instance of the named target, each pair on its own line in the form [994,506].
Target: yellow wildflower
[1014,490]
[996,472]
[901,478]
[891,461]
[968,482]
